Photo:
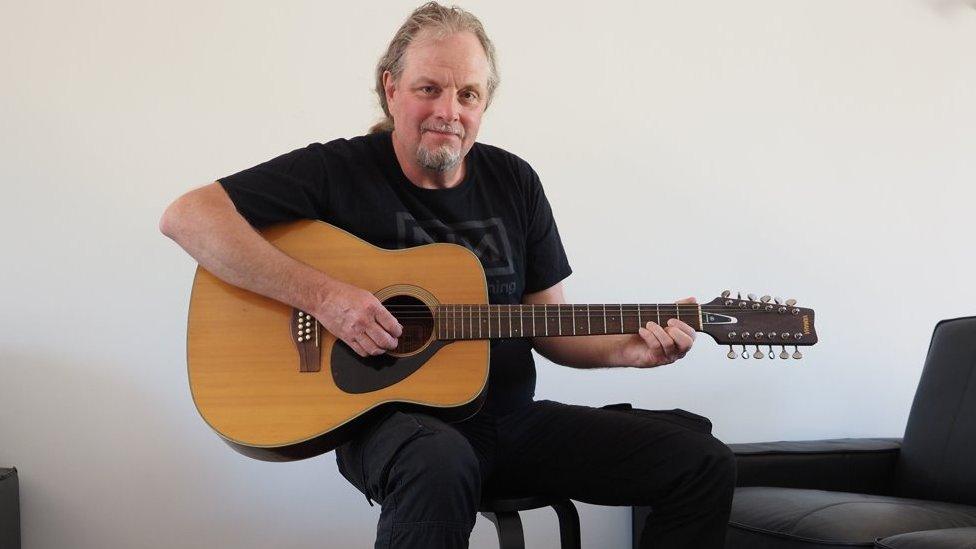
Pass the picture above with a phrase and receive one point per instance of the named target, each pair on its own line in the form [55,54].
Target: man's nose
[448,107]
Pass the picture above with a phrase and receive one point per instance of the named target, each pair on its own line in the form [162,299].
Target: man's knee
[723,463]
[711,470]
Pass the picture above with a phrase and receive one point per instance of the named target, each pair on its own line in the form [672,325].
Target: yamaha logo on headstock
[806,324]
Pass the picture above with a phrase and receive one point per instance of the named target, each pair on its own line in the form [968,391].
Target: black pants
[429,476]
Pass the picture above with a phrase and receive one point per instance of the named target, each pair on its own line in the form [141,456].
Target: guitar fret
[621,318]
[658,309]
[589,330]
[521,325]
[572,313]
[545,314]
[533,319]
[604,318]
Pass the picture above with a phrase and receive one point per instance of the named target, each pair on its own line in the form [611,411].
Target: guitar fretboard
[507,321]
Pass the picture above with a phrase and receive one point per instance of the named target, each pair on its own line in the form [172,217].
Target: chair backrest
[938,457]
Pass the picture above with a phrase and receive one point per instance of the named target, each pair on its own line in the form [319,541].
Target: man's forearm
[601,351]
[206,224]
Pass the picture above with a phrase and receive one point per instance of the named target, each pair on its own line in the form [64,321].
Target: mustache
[445,128]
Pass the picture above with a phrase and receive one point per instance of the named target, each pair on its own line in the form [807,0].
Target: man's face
[439,99]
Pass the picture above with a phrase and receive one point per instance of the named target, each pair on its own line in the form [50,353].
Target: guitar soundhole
[417,321]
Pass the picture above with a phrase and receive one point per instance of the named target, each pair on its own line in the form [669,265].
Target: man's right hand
[358,318]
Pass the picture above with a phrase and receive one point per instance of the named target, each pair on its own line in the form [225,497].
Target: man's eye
[470,96]
[427,89]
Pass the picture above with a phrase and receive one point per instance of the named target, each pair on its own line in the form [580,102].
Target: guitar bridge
[305,333]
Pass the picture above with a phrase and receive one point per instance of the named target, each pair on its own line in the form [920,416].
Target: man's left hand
[656,345]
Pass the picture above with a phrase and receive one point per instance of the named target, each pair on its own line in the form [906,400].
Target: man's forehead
[455,56]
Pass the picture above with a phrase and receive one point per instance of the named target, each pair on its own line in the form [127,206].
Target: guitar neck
[458,321]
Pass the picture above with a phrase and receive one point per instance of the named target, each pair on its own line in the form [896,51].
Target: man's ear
[389,86]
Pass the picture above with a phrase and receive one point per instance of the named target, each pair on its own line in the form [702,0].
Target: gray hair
[443,21]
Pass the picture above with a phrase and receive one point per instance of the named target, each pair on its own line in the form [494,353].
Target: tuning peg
[771,355]
[790,302]
[784,355]
[738,295]
[758,353]
[777,300]
[731,353]
[752,297]
[745,353]
[765,299]
[726,293]
[796,353]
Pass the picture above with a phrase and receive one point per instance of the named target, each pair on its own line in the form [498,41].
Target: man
[419,177]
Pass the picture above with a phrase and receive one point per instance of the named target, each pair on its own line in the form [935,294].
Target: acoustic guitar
[276,386]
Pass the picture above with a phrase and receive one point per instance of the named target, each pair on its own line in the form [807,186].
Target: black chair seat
[768,516]
[951,538]
[526,503]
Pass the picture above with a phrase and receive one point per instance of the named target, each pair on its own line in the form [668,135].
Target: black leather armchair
[915,492]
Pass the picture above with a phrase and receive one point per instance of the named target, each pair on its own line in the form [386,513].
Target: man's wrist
[616,355]
[320,294]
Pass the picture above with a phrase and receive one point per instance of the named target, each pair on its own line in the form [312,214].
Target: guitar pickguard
[355,374]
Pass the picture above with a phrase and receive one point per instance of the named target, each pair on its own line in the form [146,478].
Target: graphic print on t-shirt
[486,238]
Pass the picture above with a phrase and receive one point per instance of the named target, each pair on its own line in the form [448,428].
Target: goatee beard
[441,159]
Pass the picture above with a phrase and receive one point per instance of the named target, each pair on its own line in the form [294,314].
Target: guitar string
[581,307]
[593,317]
[527,312]
[582,314]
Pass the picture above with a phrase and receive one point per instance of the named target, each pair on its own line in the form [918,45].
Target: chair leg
[569,525]
[509,528]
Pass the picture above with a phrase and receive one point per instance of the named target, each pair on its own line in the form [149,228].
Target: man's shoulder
[353,150]
[361,144]
[498,156]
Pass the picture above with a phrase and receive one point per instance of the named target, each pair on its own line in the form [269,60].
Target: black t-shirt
[499,211]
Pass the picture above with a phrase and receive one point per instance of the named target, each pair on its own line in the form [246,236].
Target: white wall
[822,150]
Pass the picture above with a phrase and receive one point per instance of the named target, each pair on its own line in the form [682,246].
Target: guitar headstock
[765,323]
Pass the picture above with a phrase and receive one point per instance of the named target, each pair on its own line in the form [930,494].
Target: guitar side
[243,365]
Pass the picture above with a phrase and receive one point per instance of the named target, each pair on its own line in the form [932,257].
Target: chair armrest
[862,465]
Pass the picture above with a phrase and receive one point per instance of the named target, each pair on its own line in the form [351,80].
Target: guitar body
[277,400]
